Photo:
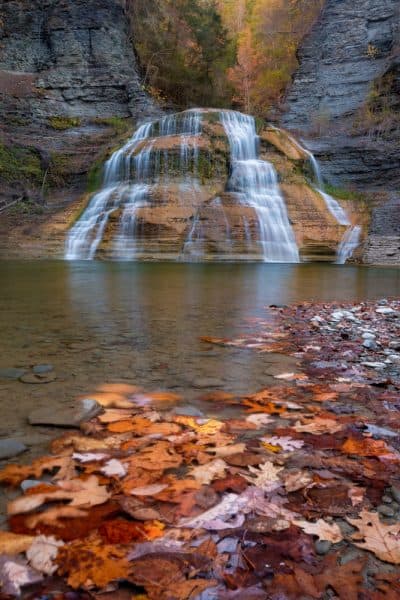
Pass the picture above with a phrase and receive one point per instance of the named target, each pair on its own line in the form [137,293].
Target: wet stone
[11,373]
[38,379]
[10,447]
[69,416]
[42,369]
[387,499]
[395,491]
[370,344]
[386,511]
[190,411]
[322,547]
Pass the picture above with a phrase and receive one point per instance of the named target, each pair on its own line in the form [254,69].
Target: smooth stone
[395,491]
[207,382]
[381,431]
[386,511]
[385,311]
[11,373]
[387,499]
[42,369]
[395,358]
[27,484]
[370,344]
[10,448]
[368,336]
[35,379]
[190,411]
[323,547]
[374,365]
[69,416]
[395,345]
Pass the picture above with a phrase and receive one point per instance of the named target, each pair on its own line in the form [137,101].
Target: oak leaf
[329,532]
[207,473]
[15,474]
[368,447]
[381,539]
[286,443]
[318,426]
[265,476]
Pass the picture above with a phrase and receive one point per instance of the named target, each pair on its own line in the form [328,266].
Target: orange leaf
[367,447]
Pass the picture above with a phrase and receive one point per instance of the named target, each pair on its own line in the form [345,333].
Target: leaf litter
[152,505]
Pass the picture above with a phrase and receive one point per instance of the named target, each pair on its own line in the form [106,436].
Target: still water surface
[141,323]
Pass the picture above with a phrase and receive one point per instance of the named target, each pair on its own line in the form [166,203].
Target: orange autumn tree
[245,74]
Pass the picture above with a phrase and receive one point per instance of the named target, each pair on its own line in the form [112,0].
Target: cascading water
[256,183]
[352,237]
[128,178]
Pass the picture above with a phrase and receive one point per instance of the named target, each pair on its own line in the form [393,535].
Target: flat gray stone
[10,447]
[190,411]
[11,373]
[69,416]
[42,369]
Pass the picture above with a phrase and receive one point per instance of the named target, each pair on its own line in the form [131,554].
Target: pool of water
[141,323]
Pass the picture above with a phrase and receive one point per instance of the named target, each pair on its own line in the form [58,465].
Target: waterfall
[127,180]
[352,236]
[256,183]
[349,243]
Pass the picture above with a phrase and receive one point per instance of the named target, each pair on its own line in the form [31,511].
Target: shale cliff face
[345,97]
[68,80]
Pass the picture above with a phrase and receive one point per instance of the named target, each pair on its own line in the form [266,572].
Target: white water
[127,180]
[256,182]
[352,237]
[349,243]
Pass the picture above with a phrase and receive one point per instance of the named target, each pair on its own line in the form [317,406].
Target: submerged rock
[10,447]
[69,416]
[11,373]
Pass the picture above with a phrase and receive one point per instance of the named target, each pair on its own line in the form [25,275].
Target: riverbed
[141,324]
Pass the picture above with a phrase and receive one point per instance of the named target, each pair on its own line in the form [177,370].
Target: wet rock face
[71,60]
[78,54]
[350,49]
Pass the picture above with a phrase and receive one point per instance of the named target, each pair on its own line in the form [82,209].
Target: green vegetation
[63,123]
[343,194]
[20,164]
[95,175]
[59,169]
[26,208]
[119,124]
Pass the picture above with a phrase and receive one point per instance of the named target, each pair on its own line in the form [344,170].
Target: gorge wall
[69,81]
[346,93]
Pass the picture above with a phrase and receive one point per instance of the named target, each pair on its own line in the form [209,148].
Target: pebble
[385,311]
[387,499]
[11,373]
[10,447]
[323,546]
[394,345]
[374,365]
[368,336]
[68,416]
[370,344]
[386,511]
[190,411]
[395,358]
[395,491]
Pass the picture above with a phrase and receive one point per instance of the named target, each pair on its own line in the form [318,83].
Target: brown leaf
[346,580]
[381,539]
[91,563]
[12,543]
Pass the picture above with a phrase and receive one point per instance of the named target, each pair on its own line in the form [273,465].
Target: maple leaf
[329,532]
[383,540]
[43,552]
[318,426]
[13,543]
[286,443]
[207,473]
[265,476]
[16,574]
[91,563]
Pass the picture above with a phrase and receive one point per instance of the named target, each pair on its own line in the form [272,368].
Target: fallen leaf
[52,517]
[368,447]
[16,574]
[265,476]
[12,543]
[114,468]
[42,554]
[381,539]
[207,473]
[90,562]
[329,532]
[149,490]
[15,474]
[259,419]
[227,450]
[296,480]
[286,443]
[318,426]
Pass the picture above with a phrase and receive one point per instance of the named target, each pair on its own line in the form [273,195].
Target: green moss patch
[20,164]
[63,123]
[119,124]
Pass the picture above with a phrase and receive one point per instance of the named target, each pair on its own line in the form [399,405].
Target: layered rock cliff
[346,92]
[69,80]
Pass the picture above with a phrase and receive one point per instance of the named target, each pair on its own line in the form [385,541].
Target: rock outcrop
[69,80]
[345,97]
